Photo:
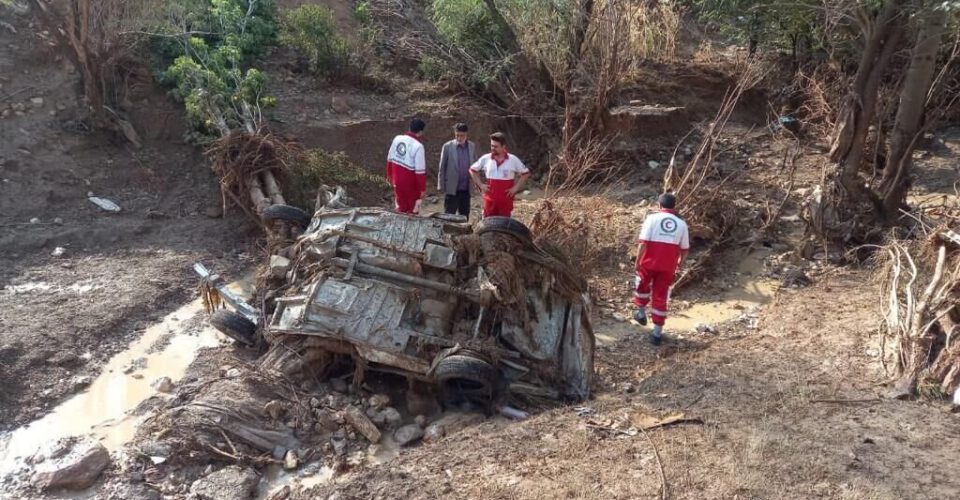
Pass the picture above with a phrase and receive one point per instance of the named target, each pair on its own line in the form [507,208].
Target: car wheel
[286,213]
[507,225]
[465,375]
[235,326]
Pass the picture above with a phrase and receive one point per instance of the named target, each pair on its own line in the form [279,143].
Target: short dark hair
[668,201]
[461,127]
[417,125]
[499,137]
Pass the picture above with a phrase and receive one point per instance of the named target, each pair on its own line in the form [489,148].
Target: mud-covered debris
[356,418]
[707,328]
[76,469]
[163,385]
[229,483]
[408,434]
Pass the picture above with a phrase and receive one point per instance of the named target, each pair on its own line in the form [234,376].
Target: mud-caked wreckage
[479,311]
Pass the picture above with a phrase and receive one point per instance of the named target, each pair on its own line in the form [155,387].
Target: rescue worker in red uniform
[664,243]
[407,168]
[505,174]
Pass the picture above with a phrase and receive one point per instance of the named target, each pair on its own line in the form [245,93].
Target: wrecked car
[478,310]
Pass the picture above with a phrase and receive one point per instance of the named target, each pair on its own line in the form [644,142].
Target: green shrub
[312,32]
[362,13]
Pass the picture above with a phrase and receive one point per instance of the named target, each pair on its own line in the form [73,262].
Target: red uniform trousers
[408,186]
[653,287]
[496,201]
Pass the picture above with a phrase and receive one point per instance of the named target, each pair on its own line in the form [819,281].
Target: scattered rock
[58,252]
[433,433]
[705,328]
[653,164]
[420,420]
[214,212]
[58,221]
[34,220]
[339,104]
[163,384]
[379,401]
[36,102]
[81,382]
[391,417]
[314,403]
[408,434]
[75,470]
[232,373]
[355,417]
[229,483]
[291,460]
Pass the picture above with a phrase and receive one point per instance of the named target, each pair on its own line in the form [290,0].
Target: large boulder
[228,483]
[75,466]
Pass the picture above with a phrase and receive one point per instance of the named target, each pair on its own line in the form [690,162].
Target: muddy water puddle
[103,409]
[749,291]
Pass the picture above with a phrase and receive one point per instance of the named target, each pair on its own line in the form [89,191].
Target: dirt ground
[61,317]
[788,411]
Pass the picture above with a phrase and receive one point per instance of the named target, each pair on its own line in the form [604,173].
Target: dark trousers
[457,203]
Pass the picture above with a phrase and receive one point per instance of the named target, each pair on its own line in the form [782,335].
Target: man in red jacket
[505,176]
[663,245]
[407,168]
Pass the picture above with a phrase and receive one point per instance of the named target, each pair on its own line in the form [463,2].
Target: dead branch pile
[249,165]
[248,415]
[596,235]
[919,298]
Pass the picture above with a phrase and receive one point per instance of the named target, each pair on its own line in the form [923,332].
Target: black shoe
[656,340]
[640,317]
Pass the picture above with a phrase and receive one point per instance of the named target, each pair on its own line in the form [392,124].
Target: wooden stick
[656,452]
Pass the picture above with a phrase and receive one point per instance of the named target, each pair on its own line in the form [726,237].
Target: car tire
[286,213]
[465,374]
[235,326]
[507,225]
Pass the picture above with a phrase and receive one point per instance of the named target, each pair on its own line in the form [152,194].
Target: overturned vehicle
[478,311]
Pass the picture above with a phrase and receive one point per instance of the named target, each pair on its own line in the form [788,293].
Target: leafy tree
[312,32]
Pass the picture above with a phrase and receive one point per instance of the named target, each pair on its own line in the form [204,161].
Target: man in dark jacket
[454,177]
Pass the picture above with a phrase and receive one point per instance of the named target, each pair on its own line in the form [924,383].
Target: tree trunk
[860,106]
[913,97]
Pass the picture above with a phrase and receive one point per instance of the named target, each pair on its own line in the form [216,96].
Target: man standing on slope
[407,168]
[453,179]
[505,174]
[663,246]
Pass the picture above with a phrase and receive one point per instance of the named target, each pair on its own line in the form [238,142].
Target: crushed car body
[478,310]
